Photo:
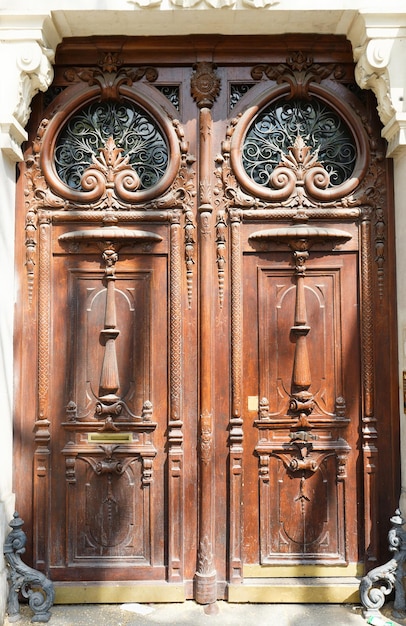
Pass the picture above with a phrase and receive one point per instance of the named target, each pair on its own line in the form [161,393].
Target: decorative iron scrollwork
[275,129]
[172,93]
[380,581]
[31,583]
[85,136]
[237,91]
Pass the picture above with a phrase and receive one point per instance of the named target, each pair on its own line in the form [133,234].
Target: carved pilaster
[205,87]
[175,433]
[236,421]
[369,432]
[42,425]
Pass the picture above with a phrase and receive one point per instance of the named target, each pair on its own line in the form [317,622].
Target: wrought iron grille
[237,91]
[277,126]
[172,92]
[133,130]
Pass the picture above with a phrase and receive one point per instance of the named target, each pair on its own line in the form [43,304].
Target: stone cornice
[38,27]
[29,42]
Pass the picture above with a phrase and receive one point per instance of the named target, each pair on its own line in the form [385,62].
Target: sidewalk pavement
[192,614]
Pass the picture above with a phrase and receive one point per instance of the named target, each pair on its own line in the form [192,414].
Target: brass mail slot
[109,437]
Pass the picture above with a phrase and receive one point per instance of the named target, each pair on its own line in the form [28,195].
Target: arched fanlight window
[120,151]
[317,144]
[133,130]
[276,127]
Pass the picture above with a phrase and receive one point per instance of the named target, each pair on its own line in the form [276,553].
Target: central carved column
[205,87]
[301,398]
[109,378]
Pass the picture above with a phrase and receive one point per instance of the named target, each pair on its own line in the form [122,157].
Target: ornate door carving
[206,291]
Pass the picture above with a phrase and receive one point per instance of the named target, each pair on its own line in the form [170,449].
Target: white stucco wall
[7,177]
[29,34]
[400,203]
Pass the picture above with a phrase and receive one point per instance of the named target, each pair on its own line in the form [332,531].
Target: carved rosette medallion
[205,85]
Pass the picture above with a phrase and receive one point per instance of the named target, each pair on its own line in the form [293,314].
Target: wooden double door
[205,326]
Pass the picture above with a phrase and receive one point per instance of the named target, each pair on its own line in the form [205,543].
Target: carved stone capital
[379,46]
[33,61]
[371,72]
[26,56]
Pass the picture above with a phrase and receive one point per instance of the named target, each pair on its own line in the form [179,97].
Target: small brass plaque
[109,437]
[253,403]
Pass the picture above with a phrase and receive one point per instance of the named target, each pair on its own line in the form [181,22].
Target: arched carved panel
[276,306]
[133,299]
[109,504]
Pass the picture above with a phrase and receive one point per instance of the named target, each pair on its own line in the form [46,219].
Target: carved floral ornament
[109,155]
[215,4]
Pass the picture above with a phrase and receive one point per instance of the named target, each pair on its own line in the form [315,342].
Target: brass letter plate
[109,437]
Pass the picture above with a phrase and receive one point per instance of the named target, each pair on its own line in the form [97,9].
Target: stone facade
[29,35]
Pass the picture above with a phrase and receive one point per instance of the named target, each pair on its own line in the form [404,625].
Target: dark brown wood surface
[157,434]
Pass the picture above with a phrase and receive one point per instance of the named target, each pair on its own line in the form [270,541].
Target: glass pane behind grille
[277,126]
[133,130]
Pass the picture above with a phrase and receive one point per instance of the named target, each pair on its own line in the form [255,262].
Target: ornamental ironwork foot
[382,580]
[32,584]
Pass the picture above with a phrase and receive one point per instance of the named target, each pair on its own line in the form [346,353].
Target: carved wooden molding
[127,187]
[110,77]
[221,230]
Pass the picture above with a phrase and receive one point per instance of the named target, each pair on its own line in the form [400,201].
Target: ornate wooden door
[206,291]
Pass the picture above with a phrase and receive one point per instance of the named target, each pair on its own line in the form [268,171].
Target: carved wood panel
[110,434]
[301,493]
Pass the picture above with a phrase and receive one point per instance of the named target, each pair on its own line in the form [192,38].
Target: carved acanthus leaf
[299,71]
[110,78]
[371,72]
[33,60]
